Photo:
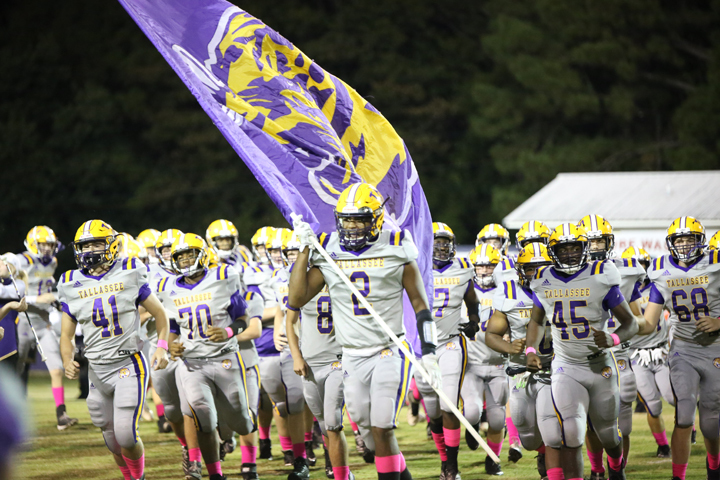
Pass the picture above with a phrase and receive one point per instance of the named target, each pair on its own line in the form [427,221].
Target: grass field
[79,453]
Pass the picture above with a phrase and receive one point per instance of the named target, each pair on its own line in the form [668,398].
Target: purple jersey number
[100,320]
[324,311]
[356,277]
[445,294]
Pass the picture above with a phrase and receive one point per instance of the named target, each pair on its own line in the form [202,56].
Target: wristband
[162,344]
[616,339]
[230,332]
[530,350]
[292,308]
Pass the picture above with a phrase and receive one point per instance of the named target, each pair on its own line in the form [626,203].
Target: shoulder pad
[249,295]
[67,276]
[395,237]
[132,263]
[510,290]
[28,258]
[162,284]
[222,272]
[540,271]
[658,263]
[275,273]
[324,238]
[464,263]
[508,264]
[597,267]
[714,257]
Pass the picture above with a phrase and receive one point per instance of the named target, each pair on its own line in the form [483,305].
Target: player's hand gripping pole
[37,341]
[402,347]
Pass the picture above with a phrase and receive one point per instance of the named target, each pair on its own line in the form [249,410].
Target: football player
[577,294]
[714,242]
[485,375]
[39,263]
[686,283]
[222,236]
[530,399]
[10,264]
[649,362]
[209,316]
[452,287]
[148,238]
[381,263]
[102,295]
[632,274]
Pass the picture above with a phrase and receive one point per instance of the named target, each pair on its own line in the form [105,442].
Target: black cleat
[596,476]
[163,425]
[470,440]
[693,437]
[217,476]
[227,446]
[328,466]
[249,471]
[63,420]
[428,431]
[616,474]
[185,458]
[712,474]
[492,468]
[300,470]
[542,470]
[194,471]
[265,449]
[451,472]
[514,454]
[310,454]
[443,467]
[663,451]
[317,437]
[288,458]
[369,456]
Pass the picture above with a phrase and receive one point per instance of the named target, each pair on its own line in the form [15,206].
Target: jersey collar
[564,277]
[685,269]
[98,277]
[180,282]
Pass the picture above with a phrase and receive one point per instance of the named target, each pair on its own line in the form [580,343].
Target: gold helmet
[222,229]
[359,203]
[598,228]
[189,242]
[564,236]
[638,254]
[213,257]
[274,247]
[532,231]
[714,243]
[95,231]
[259,243]
[42,234]
[532,256]
[133,249]
[485,255]
[443,252]
[147,239]
[125,239]
[495,232]
[165,240]
[686,227]
[291,243]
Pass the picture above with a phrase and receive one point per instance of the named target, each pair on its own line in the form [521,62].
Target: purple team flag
[305,134]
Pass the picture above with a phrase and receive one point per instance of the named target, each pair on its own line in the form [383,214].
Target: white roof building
[639,205]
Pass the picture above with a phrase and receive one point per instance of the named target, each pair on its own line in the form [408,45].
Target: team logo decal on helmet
[443,250]
[532,231]
[41,241]
[184,244]
[531,257]
[484,258]
[497,235]
[686,239]
[99,234]
[568,248]
[222,231]
[359,215]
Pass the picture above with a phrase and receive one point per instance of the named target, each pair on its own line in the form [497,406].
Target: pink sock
[126,473]
[440,444]
[555,474]
[541,449]
[353,425]
[248,454]
[679,470]
[341,473]
[137,467]
[59,396]
[512,432]
[661,438]
[182,441]
[422,402]
[713,461]
[264,432]
[214,468]
[286,444]
[195,455]
[308,436]
[160,409]
[615,463]
[495,447]
[596,461]
[414,390]
[388,464]
[298,450]
[452,437]
[403,466]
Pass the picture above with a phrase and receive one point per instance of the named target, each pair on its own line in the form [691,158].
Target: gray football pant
[282,385]
[695,372]
[216,387]
[653,385]
[48,341]
[587,392]
[252,380]
[628,392]
[323,390]
[375,386]
[452,359]
[116,399]
[532,412]
[166,386]
[491,381]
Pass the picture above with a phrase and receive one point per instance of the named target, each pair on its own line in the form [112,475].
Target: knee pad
[472,410]
[296,406]
[173,413]
[530,440]
[203,418]
[609,435]
[432,406]
[685,412]
[281,409]
[111,442]
[496,417]
[625,418]
[652,405]
[709,416]
[125,434]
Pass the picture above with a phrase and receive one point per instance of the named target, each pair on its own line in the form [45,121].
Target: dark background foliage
[493,98]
